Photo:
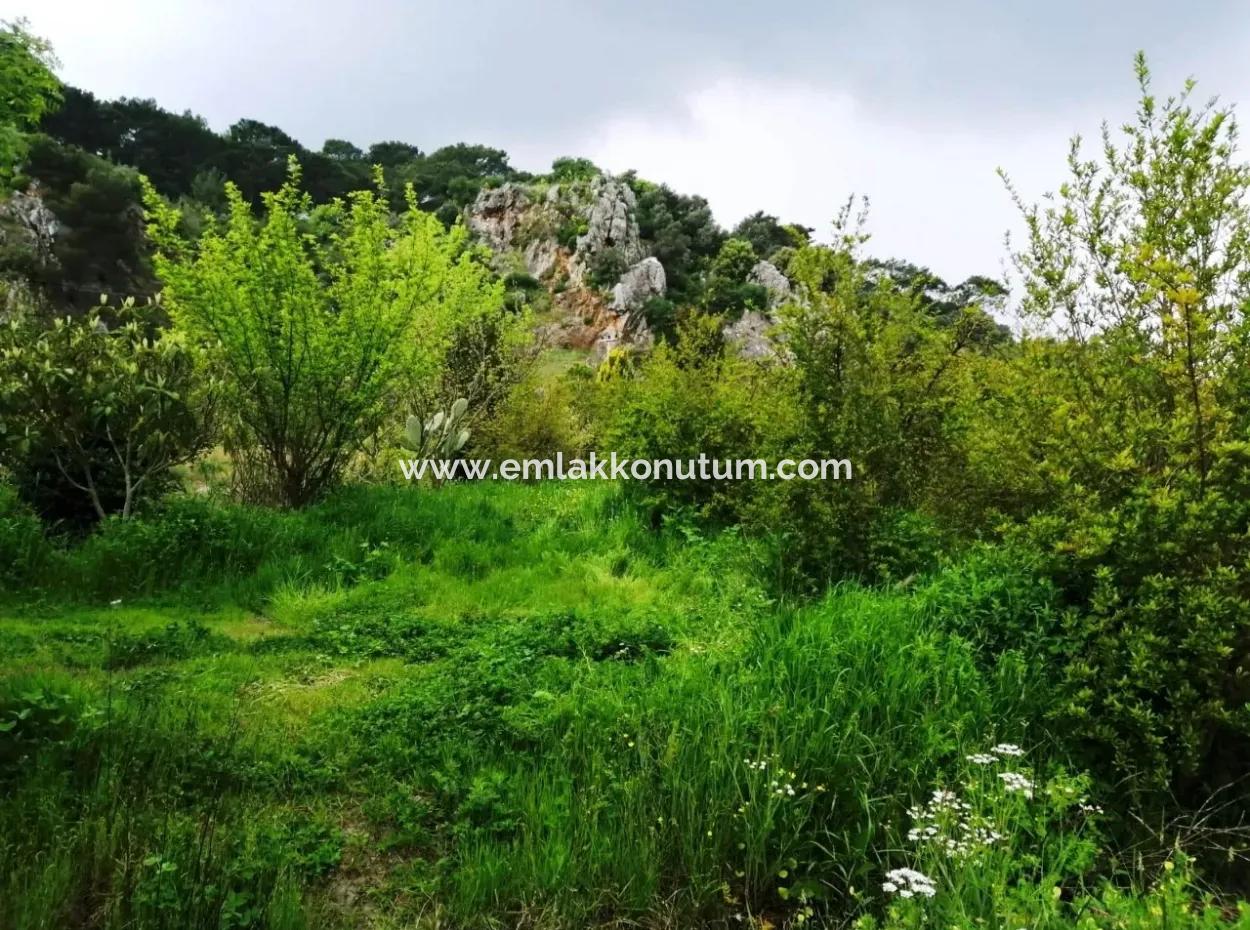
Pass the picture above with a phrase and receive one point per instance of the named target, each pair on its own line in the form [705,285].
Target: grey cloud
[431,73]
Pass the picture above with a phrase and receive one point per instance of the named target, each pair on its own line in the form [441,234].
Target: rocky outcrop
[521,218]
[542,256]
[26,224]
[749,334]
[560,232]
[497,214]
[639,284]
[610,222]
[752,334]
[769,277]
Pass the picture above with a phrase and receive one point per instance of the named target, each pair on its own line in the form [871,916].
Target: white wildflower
[1007,749]
[908,883]
[1014,781]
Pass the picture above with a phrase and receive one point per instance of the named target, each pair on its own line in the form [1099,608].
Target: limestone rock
[27,223]
[638,285]
[541,256]
[497,214]
[532,222]
[769,277]
[611,223]
[749,334]
[611,220]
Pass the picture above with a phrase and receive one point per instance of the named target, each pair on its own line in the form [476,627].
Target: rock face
[638,285]
[541,257]
[610,221]
[558,231]
[627,330]
[767,276]
[27,224]
[749,334]
[496,215]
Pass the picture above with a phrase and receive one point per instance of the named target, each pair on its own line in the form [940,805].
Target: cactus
[442,435]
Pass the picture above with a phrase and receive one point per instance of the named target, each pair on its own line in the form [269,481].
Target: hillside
[305,625]
[574,244]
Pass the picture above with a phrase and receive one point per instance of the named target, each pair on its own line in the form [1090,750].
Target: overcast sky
[785,107]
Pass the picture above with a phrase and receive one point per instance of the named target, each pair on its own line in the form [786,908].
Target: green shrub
[605,267]
[24,548]
[96,411]
[1132,416]
[998,598]
[727,291]
[537,419]
[573,169]
[571,231]
[660,315]
[689,400]
[372,306]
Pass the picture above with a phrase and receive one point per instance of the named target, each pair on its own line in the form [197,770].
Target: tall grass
[500,706]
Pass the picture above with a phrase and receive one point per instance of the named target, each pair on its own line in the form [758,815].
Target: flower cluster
[947,823]
[907,883]
[1014,781]
[1001,751]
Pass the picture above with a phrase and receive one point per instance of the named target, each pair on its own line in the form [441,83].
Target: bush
[1132,413]
[689,400]
[93,417]
[371,307]
[871,380]
[24,549]
[997,598]
[605,267]
[660,314]
[728,292]
[537,419]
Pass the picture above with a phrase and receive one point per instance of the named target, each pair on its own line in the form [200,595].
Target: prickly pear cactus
[442,435]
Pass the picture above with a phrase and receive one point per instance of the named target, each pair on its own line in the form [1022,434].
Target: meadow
[503,705]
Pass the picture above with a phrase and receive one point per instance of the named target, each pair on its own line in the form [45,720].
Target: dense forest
[252,677]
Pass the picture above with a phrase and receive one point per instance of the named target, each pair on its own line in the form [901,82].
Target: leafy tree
[574,169]
[392,154]
[342,150]
[1137,422]
[877,384]
[257,156]
[680,232]
[945,304]
[170,149]
[99,247]
[97,413]
[30,89]
[316,338]
[766,234]
[448,179]
[728,291]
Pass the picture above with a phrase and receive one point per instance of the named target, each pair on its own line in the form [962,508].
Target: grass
[488,706]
